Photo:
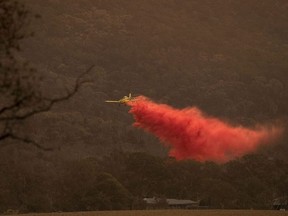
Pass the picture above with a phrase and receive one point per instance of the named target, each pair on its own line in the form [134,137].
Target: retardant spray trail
[192,135]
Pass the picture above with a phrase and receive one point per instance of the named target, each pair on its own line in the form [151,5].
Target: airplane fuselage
[123,100]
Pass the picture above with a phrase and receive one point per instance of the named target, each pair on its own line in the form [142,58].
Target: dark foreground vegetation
[227,57]
[121,180]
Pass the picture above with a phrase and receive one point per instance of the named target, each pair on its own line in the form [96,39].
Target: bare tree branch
[25,140]
[15,105]
[45,105]
[4,136]
[49,102]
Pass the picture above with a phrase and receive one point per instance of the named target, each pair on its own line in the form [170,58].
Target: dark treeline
[121,180]
[229,58]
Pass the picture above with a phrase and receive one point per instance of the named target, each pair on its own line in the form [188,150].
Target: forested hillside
[228,57]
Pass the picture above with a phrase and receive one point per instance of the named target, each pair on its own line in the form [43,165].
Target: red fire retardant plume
[192,135]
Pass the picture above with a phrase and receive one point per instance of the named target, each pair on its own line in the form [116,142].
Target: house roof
[152,200]
[180,202]
[155,200]
[280,201]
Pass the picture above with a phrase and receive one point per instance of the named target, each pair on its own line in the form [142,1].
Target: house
[280,203]
[170,203]
[179,203]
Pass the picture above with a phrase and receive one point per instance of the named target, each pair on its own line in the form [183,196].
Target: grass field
[169,213]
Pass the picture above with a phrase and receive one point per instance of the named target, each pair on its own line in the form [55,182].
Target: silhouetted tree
[20,92]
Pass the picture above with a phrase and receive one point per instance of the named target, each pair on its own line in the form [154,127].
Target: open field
[170,213]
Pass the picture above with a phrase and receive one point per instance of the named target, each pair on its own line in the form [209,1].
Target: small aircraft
[123,100]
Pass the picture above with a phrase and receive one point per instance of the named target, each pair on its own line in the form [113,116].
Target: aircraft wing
[110,101]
